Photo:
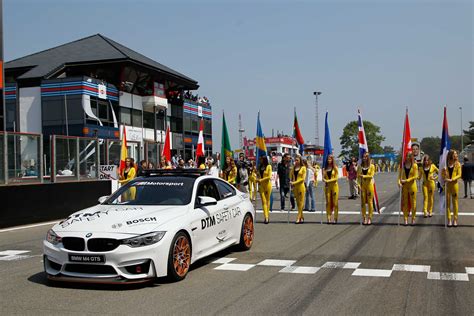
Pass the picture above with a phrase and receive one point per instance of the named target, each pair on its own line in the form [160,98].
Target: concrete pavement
[291,269]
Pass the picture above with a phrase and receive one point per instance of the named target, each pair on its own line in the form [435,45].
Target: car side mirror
[206,200]
[103,198]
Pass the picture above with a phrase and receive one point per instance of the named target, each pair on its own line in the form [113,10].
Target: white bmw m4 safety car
[154,226]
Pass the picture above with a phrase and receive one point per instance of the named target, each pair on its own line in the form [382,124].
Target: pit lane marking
[13,255]
[289,267]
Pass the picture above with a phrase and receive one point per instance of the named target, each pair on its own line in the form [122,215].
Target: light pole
[316,134]
[462,140]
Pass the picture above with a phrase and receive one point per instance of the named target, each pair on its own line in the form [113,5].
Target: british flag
[363,148]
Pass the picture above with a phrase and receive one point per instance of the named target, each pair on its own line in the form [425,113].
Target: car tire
[179,258]
[247,233]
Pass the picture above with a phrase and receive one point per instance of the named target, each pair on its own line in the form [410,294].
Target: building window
[207,127]
[103,109]
[125,116]
[148,120]
[194,125]
[136,118]
[187,124]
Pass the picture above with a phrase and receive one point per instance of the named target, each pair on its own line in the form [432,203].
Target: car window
[225,189]
[165,190]
[208,188]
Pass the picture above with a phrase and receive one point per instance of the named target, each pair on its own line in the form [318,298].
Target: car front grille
[74,243]
[90,269]
[102,244]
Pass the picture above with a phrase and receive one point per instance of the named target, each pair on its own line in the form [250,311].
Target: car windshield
[164,190]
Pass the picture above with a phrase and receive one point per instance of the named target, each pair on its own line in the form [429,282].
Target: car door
[231,215]
[205,226]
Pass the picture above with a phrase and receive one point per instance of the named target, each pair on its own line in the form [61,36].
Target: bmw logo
[88,235]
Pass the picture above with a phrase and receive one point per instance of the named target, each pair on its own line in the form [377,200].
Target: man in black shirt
[283,177]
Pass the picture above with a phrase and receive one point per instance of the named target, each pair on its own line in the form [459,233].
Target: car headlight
[52,238]
[144,240]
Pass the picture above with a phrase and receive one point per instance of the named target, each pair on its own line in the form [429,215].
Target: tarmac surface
[310,269]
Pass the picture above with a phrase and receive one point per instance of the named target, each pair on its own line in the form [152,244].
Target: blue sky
[270,56]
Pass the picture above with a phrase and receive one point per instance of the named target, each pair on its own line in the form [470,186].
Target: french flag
[363,148]
[445,147]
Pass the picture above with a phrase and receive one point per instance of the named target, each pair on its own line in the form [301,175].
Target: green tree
[350,140]
[470,133]
[389,150]
[431,145]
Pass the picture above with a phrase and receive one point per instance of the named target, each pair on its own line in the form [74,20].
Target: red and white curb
[288,266]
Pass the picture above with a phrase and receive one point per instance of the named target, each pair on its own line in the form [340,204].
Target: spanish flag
[260,146]
[123,151]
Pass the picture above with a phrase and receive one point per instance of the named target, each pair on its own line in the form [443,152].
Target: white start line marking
[289,267]
[13,255]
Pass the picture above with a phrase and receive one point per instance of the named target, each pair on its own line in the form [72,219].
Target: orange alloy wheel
[248,231]
[181,256]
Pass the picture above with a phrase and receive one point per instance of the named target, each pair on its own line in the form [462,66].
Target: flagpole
[402,165]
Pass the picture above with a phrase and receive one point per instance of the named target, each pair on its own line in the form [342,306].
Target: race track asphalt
[312,269]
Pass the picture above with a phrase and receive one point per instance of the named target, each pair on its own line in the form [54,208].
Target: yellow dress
[130,194]
[409,190]
[332,193]
[299,190]
[265,189]
[428,188]
[452,189]
[366,184]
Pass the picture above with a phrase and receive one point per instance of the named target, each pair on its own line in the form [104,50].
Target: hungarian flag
[297,135]
[200,144]
[167,148]
[123,151]
[363,148]
[406,143]
[445,147]
[225,144]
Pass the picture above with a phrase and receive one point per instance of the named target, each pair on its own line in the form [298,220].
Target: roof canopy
[92,49]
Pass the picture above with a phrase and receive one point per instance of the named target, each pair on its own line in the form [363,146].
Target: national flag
[200,144]
[123,151]
[297,134]
[225,144]
[260,146]
[406,142]
[327,142]
[445,147]
[167,148]
[364,148]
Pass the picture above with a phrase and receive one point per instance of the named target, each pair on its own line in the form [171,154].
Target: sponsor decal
[158,183]
[221,235]
[141,220]
[87,217]
[118,225]
[219,218]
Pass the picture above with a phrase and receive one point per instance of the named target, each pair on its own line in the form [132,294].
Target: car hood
[127,219]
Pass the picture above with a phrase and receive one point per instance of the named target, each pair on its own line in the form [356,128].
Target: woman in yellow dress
[264,176]
[407,180]
[126,175]
[297,182]
[365,179]
[253,182]
[229,170]
[451,174]
[331,190]
[429,174]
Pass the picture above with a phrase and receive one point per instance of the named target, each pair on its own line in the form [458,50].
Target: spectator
[141,168]
[467,170]
[352,178]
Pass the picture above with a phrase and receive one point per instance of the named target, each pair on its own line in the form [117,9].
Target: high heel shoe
[369,222]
